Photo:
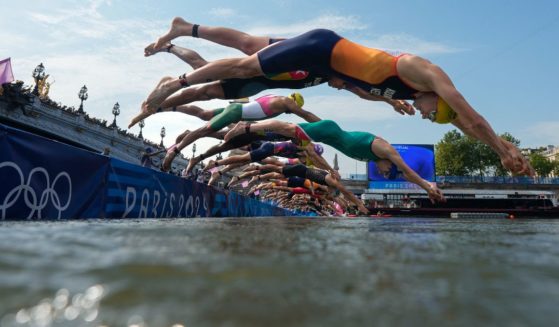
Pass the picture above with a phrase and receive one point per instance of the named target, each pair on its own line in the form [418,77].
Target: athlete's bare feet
[150,49]
[214,177]
[141,116]
[251,168]
[179,27]
[191,164]
[237,130]
[169,157]
[182,136]
[233,180]
[159,94]
[150,106]
[211,164]
[254,179]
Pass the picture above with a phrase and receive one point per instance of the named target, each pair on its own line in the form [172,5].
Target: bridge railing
[497,179]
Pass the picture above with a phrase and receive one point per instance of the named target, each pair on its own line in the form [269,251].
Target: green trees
[460,155]
[450,155]
[556,169]
[542,165]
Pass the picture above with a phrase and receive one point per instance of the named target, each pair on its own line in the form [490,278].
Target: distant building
[551,153]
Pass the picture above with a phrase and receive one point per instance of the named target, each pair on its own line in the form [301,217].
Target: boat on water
[518,203]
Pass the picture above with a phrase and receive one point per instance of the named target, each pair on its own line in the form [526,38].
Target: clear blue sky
[500,54]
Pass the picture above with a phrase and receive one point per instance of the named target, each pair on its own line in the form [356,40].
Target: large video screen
[420,158]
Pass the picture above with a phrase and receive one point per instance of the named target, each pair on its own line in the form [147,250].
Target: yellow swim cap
[298,98]
[445,114]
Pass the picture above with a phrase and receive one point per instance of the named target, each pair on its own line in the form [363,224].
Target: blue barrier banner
[45,179]
[139,192]
[242,206]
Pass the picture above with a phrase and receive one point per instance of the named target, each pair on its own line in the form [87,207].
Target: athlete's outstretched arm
[428,77]
[306,115]
[401,106]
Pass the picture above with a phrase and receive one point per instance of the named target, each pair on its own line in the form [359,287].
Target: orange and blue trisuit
[324,52]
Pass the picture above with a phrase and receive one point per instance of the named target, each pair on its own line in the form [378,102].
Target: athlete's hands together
[402,107]
[514,161]
[435,195]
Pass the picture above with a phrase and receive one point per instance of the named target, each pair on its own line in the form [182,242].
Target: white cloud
[222,12]
[409,44]
[65,27]
[93,9]
[46,19]
[89,12]
[333,22]
[11,42]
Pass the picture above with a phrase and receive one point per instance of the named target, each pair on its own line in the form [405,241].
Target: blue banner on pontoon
[45,179]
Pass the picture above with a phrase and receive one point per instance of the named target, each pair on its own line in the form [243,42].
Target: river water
[280,272]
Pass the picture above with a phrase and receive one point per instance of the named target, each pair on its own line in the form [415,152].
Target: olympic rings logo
[36,202]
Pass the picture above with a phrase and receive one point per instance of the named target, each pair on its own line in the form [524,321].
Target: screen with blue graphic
[420,158]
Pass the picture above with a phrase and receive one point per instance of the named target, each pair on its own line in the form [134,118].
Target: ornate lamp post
[162,134]
[83,96]
[142,124]
[38,75]
[116,112]
[193,150]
